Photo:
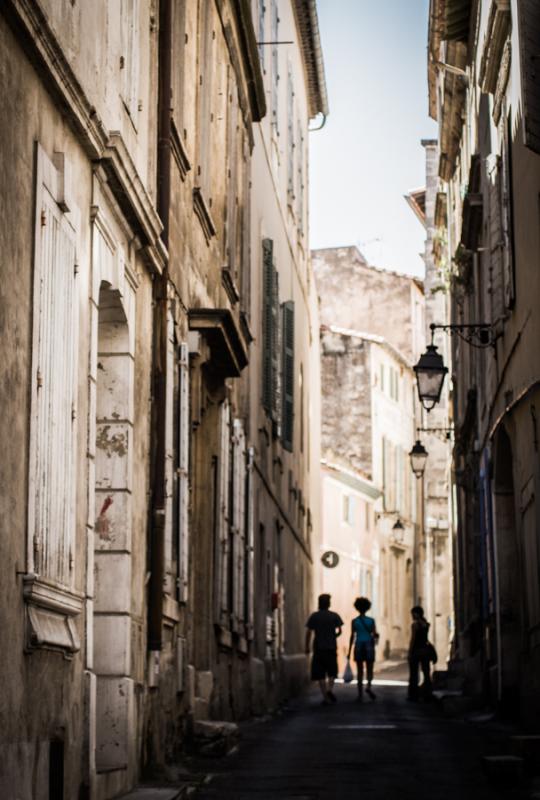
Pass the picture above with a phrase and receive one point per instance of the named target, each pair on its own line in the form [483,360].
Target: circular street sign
[330,559]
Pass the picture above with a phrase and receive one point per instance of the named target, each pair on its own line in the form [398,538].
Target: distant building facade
[368,426]
[435,570]
[161,460]
[483,92]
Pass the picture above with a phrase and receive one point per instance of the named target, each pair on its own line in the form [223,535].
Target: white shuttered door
[52,432]
[224,514]
[183,476]
[239,523]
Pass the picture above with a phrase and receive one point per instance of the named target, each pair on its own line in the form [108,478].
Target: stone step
[215,738]
[155,793]
[527,746]
[503,769]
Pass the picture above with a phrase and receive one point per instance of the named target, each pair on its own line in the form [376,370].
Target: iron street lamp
[440,433]
[430,370]
[430,373]
[418,457]
[398,532]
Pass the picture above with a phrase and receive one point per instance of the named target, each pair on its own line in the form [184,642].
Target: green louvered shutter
[268,324]
[287,426]
[276,359]
[529,37]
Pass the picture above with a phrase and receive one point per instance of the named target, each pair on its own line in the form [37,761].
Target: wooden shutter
[250,543]
[275,67]
[239,522]
[129,21]
[268,323]
[529,37]
[290,137]
[276,357]
[183,473]
[171,552]
[262,31]
[52,465]
[223,545]
[301,188]
[287,428]
[509,285]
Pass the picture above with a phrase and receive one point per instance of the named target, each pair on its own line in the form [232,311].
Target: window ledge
[50,617]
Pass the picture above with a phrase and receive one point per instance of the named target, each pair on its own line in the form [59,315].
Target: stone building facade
[435,567]
[134,245]
[483,92]
[368,427]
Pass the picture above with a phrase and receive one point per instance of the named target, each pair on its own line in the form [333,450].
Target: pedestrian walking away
[326,625]
[364,637]
[421,653]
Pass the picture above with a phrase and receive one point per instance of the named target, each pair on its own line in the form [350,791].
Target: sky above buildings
[368,155]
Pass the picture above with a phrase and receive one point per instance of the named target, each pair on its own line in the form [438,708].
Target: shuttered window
[250,544]
[271,379]
[182,472]
[262,32]
[52,464]
[300,187]
[290,138]
[238,525]
[129,58]
[275,68]
[223,516]
[529,36]
[287,425]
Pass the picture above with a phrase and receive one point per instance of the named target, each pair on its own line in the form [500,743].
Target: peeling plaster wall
[347,402]
[360,297]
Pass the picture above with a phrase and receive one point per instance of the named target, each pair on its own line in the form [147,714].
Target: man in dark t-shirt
[326,625]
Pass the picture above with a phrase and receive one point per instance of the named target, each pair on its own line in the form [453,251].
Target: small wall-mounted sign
[330,559]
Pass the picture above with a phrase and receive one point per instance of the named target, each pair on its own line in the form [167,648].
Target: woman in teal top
[364,636]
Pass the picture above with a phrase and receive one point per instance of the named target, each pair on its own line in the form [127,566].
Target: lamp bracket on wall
[441,433]
[477,334]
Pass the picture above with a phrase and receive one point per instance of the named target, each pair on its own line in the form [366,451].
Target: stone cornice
[41,46]
[179,151]
[310,45]
[250,58]
[498,30]
[43,49]
[129,190]
[203,214]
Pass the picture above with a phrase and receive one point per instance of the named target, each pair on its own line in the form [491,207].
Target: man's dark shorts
[324,663]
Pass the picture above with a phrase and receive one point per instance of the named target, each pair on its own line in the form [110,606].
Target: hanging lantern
[430,373]
[418,457]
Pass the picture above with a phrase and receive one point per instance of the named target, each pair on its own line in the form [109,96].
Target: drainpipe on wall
[159,334]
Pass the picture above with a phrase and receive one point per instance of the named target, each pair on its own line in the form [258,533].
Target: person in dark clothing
[326,625]
[419,656]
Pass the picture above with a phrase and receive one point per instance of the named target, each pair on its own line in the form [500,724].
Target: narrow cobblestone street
[384,749]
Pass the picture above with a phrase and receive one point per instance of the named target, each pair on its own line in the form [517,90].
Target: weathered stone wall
[347,402]
[358,296]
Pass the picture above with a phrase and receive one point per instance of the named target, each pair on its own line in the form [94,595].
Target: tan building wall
[137,585]
[286,440]
[435,572]
[489,145]
[350,531]
[371,379]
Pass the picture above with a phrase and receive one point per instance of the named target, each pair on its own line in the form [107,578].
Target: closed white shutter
[52,463]
[239,521]
[129,57]
[170,555]
[250,544]
[223,515]
[183,475]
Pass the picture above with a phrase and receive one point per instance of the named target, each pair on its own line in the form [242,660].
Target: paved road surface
[379,750]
